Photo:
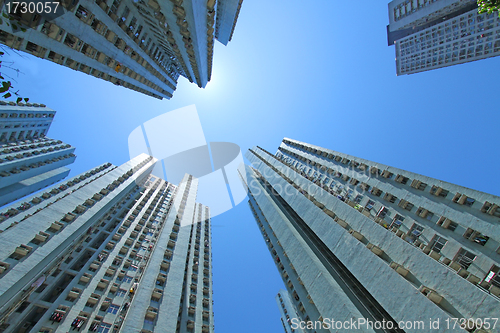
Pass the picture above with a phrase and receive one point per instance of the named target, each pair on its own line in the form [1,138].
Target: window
[397,221]
[438,243]
[121,292]
[389,197]
[493,277]
[453,226]
[418,185]
[382,212]
[439,191]
[369,204]
[416,230]
[127,278]
[462,199]
[465,258]
[475,236]
[401,179]
[405,205]
[424,213]
[104,328]
[113,308]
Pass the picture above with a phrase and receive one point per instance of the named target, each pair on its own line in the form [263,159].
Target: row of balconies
[421,212]
[36,200]
[417,184]
[426,249]
[119,43]
[454,265]
[23,168]
[19,147]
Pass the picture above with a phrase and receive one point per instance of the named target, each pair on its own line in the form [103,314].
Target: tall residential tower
[29,161]
[141,45]
[430,34]
[359,242]
[111,250]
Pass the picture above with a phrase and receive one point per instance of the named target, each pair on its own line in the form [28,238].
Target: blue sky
[316,71]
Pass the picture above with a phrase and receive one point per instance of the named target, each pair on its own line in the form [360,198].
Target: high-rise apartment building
[29,161]
[143,45]
[359,242]
[430,34]
[227,15]
[111,250]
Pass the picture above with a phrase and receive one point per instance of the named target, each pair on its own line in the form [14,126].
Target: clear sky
[318,71]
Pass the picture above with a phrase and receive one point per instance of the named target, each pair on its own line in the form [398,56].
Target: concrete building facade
[29,161]
[141,45]
[289,314]
[111,250]
[359,241]
[227,16]
[430,34]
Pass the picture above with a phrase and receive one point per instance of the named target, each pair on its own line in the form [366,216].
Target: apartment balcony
[97,196]
[191,310]
[114,288]
[151,313]
[85,278]
[94,266]
[68,217]
[93,300]
[165,265]
[206,302]
[22,250]
[103,284]
[74,294]
[41,237]
[80,209]
[157,294]
[4,266]
[168,254]
[56,226]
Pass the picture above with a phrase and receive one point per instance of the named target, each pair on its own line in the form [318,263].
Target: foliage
[6,88]
[488,6]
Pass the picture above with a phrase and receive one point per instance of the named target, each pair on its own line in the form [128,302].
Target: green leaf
[14,26]
[26,100]
[2,53]
[7,95]
[5,86]
[5,15]
[23,30]
[19,99]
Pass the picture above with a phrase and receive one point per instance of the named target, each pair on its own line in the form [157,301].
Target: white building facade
[29,161]
[358,240]
[141,45]
[430,34]
[111,250]
[227,16]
